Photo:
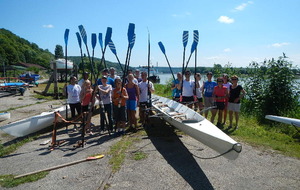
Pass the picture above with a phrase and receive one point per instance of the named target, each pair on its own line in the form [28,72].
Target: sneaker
[230,127]
[236,127]
[75,128]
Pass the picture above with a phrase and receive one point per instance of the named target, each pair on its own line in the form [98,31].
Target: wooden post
[55,80]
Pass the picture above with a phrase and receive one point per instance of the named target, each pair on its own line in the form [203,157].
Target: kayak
[196,126]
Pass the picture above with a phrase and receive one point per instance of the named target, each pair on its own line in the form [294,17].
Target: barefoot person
[207,92]
[236,93]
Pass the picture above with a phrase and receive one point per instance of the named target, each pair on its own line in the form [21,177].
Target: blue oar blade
[83,34]
[130,33]
[66,36]
[185,37]
[78,39]
[132,42]
[112,47]
[195,42]
[162,48]
[100,40]
[108,36]
[94,40]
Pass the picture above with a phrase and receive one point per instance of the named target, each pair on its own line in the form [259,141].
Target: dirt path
[172,162]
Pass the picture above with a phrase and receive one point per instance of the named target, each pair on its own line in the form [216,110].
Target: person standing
[131,104]
[220,94]
[176,86]
[105,104]
[119,97]
[72,91]
[144,87]
[236,93]
[188,90]
[86,96]
[199,103]
[227,84]
[207,92]
[85,76]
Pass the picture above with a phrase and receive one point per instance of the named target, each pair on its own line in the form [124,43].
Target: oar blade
[130,33]
[78,39]
[94,40]
[162,48]
[100,40]
[108,36]
[112,47]
[83,34]
[132,42]
[185,37]
[66,36]
[195,42]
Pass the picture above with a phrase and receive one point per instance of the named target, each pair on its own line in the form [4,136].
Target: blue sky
[234,31]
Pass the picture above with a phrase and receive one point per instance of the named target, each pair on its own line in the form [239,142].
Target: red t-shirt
[220,92]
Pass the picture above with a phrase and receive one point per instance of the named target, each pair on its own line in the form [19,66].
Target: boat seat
[190,121]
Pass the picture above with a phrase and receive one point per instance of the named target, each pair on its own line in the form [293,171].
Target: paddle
[185,37]
[106,42]
[162,48]
[94,42]
[149,91]
[114,51]
[66,37]
[194,46]
[61,166]
[81,56]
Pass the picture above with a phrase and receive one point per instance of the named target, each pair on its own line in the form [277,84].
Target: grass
[5,150]
[8,181]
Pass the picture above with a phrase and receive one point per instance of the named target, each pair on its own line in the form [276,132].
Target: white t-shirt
[143,86]
[188,88]
[106,97]
[73,93]
[199,90]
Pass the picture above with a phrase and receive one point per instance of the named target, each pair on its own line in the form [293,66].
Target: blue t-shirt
[209,88]
[109,81]
[175,92]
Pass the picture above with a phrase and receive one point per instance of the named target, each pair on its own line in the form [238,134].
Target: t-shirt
[109,81]
[87,99]
[144,90]
[105,97]
[73,93]
[116,95]
[175,92]
[188,88]
[199,90]
[209,88]
[220,92]
[235,93]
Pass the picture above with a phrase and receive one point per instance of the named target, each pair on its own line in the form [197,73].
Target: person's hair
[198,74]
[220,78]
[209,73]
[117,80]
[235,76]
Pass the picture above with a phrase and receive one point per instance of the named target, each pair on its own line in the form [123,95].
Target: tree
[59,53]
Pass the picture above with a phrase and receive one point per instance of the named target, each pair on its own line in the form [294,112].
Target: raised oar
[61,166]
[66,37]
[194,46]
[81,55]
[149,92]
[185,37]
[106,42]
[114,51]
[162,48]
[94,42]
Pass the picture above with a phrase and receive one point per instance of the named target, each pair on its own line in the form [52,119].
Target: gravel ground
[172,161]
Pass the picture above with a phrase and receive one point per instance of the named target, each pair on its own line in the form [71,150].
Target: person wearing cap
[137,75]
[109,80]
[85,77]
[236,93]
[175,87]
[105,103]
[207,92]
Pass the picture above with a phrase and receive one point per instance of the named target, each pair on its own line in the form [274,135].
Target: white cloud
[276,45]
[182,15]
[48,26]
[225,19]
[227,50]
[242,6]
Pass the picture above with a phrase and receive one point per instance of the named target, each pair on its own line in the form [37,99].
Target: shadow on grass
[176,154]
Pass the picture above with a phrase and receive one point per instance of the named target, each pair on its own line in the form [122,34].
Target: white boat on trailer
[196,126]
[286,120]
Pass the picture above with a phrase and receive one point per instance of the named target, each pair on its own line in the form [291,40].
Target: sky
[230,31]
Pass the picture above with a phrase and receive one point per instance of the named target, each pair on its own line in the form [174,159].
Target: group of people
[118,98]
[220,96]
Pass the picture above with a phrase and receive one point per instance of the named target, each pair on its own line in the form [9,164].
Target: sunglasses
[233,79]
[219,81]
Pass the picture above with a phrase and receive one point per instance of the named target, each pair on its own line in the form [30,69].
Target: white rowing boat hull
[4,116]
[30,125]
[196,126]
[286,120]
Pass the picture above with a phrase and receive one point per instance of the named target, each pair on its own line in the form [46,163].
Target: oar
[106,42]
[194,46]
[149,91]
[61,166]
[81,55]
[185,37]
[94,42]
[162,48]
[66,37]
[114,51]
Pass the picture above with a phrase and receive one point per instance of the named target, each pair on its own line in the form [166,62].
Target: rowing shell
[196,126]
[286,120]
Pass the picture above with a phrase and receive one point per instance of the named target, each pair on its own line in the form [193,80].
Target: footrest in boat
[190,121]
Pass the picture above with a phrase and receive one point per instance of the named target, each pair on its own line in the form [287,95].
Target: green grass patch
[5,150]
[139,155]
[8,181]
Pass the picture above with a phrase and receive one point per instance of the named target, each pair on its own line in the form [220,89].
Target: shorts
[220,105]
[208,102]
[236,107]
[119,113]
[187,99]
[200,99]
[131,105]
